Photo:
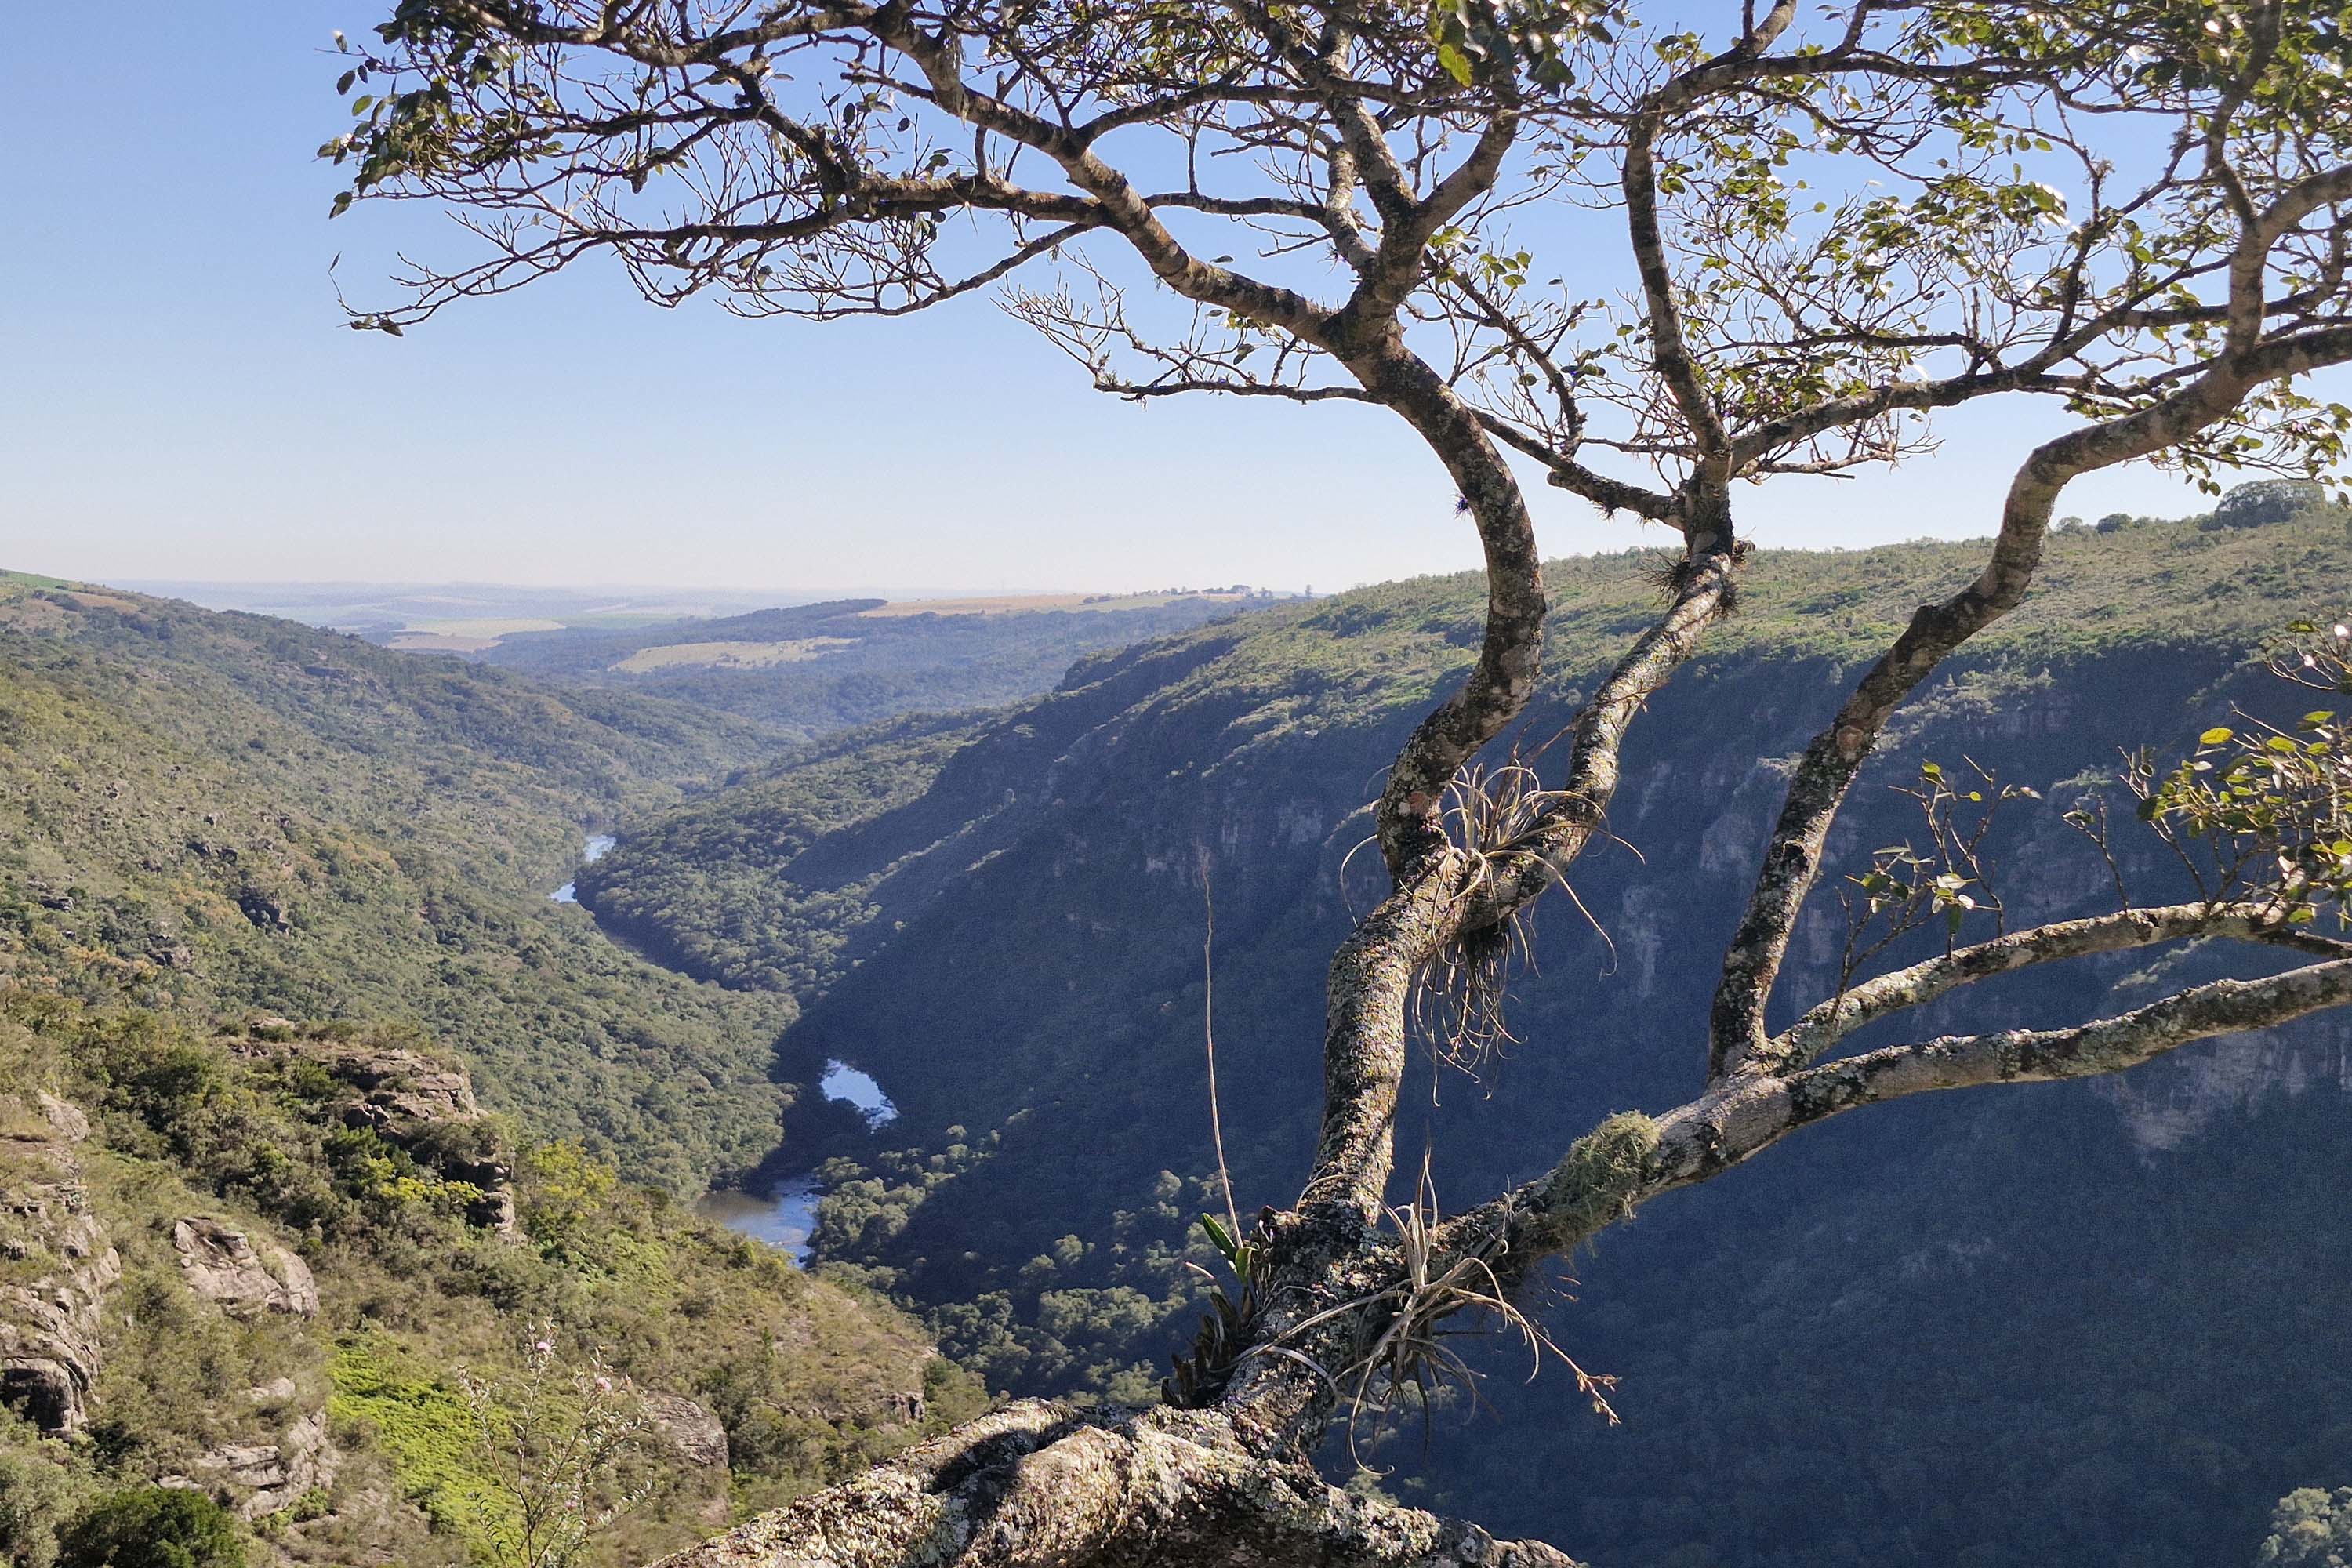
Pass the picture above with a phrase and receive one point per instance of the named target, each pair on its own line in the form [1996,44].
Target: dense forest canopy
[1823,227]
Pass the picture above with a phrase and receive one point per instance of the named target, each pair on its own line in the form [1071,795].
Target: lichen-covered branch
[1820,1030]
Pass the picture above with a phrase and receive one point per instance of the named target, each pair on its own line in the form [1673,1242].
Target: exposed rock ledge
[50,1349]
[222,1265]
[694,1434]
[265,1478]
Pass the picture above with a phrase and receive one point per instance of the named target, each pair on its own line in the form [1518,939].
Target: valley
[1000,917]
[916,1002]
[314,1104]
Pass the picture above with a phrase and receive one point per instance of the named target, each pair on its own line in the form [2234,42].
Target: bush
[37,1495]
[152,1527]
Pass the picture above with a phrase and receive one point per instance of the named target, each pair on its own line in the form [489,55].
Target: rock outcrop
[694,1434]
[222,1265]
[266,1477]
[52,1308]
[426,1107]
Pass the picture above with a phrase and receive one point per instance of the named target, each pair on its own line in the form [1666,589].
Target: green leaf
[1455,63]
[2217,736]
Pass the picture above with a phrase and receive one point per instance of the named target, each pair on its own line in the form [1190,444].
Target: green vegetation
[154,1527]
[418,1292]
[222,812]
[265,895]
[1001,921]
[717,894]
[2311,1528]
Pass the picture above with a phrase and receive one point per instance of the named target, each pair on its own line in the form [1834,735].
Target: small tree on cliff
[1656,266]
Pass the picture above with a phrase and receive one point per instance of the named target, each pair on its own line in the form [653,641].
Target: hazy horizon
[196,410]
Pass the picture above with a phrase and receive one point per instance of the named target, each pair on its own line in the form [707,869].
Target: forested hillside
[266,894]
[225,811]
[812,669]
[2104,1314]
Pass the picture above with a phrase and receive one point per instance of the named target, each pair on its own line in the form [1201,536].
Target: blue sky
[181,399]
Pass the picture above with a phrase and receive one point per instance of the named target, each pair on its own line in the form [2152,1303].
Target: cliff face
[52,1306]
[1026,936]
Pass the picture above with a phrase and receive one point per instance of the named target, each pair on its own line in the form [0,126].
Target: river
[591,852]
[784,1214]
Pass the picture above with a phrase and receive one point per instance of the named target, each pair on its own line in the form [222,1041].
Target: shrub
[37,1495]
[152,1527]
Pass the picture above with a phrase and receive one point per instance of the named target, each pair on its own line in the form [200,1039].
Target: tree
[555,1440]
[2310,1526]
[2267,501]
[1781,246]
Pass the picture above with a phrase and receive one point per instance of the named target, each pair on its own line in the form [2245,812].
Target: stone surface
[52,1311]
[265,1478]
[694,1434]
[222,1265]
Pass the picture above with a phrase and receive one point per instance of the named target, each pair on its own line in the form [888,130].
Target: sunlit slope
[229,812]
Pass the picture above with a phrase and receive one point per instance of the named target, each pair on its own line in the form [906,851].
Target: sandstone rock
[222,1265]
[693,1433]
[51,1311]
[264,1477]
[411,1100]
[70,1125]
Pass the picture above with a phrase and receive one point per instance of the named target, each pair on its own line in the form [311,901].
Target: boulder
[222,1265]
[265,1478]
[694,1434]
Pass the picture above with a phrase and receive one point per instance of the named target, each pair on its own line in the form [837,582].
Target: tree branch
[1819,1031]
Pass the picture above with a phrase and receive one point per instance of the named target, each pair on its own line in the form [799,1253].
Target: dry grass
[728,655]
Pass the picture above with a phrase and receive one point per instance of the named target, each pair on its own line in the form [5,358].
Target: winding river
[591,852]
[784,1214]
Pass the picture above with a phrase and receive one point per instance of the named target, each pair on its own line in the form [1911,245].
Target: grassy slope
[414,1300]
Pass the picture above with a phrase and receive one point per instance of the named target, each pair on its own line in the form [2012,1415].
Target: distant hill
[457,617]
[2081,1323]
[814,669]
